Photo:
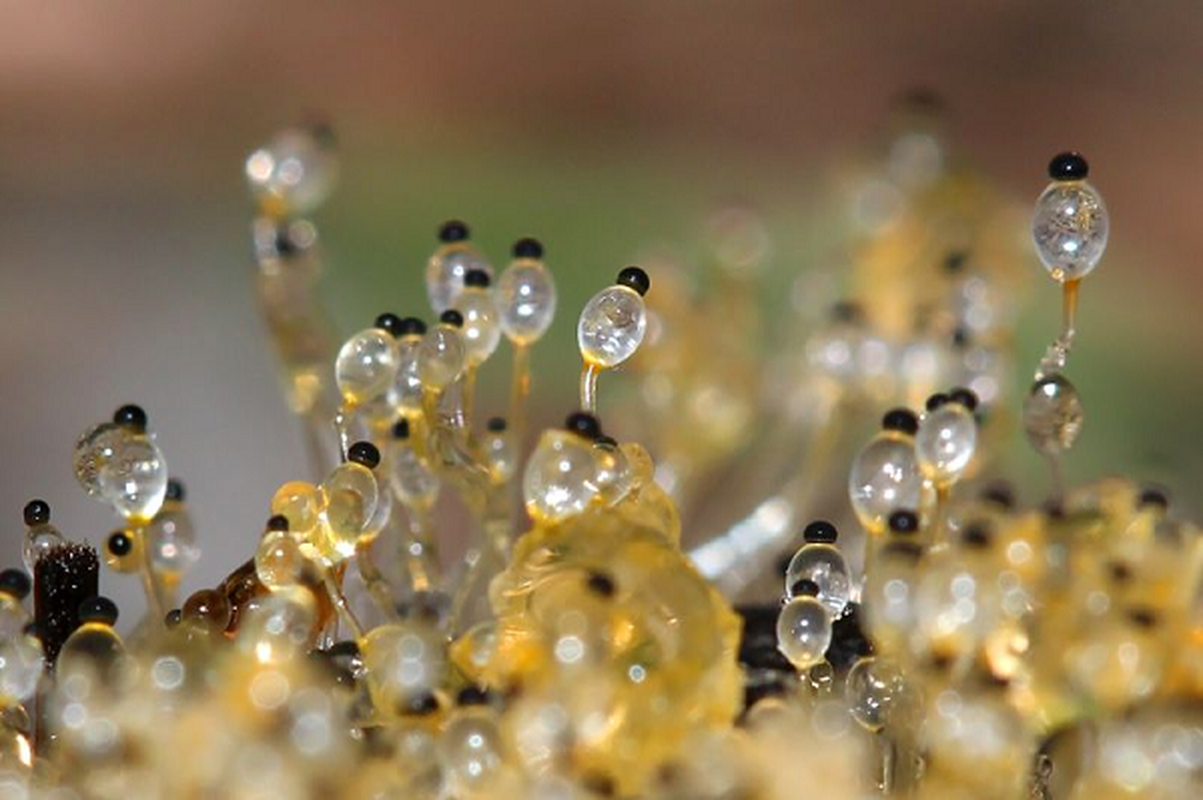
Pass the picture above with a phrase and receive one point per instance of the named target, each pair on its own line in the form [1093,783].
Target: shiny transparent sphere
[526,301]
[613,478]
[873,688]
[406,395]
[441,357]
[350,496]
[500,455]
[446,270]
[279,561]
[945,443]
[885,477]
[278,628]
[94,649]
[39,540]
[559,476]
[824,565]
[172,541]
[1052,415]
[366,366]
[612,326]
[471,751]
[13,618]
[95,447]
[803,632]
[481,332]
[293,174]
[21,662]
[404,662]
[134,480]
[410,478]
[1070,229]
[298,502]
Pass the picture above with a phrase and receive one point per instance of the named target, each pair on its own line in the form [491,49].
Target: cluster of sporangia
[981,650]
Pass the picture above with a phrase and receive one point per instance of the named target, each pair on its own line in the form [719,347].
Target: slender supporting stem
[375,582]
[1058,476]
[417,552]
[340,603]
[1069,308]
[342,425]
[589,373]
[519,391]
[150,585]
[467,397]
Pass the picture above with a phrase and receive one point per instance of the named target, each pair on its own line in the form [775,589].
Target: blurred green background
[125,271]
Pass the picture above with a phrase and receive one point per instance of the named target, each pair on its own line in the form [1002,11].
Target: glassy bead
[93,649]
[803,632]
[39,540]
[172,540]
[366,366]
[471,751]
[13,617]
[500,455]
[281,625]
[481,332]
[404,662]
[559,476]
[349,497]
[885,477]
[441,357]
[414,483]
[134,480]
[406,396]
[612,326]
[299,503]
[294,172]
[279,561]
[1052,415]
[526,300]
[207,608]
[93,449]
[825,565]
[446,270]
[873,687]
[1070,229]
[612,479]
[945,443]
[21,663]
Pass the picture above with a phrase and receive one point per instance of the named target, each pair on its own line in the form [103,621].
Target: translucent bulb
[404,662]
[613,479]
[446,270]
[21,663]
[873,689]
[1070,229]
[280,626]
[945,443]
[298,502]
[294,172]
[415,485]
[279,561]
[885,477]
[441,357]
[481,332]
[134,480]
[93,649]
[406,396]
[612,326]
[349,497]
[366,366]
[803,632]
[92,450]
[824,565]
[526,300]
[172,540]
[559,476]
[39,540]
[500,455]
[471,751]
[1052,415]
[13,618]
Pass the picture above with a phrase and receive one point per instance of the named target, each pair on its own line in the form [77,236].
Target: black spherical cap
[902,420]
[37,512]
[634,278]
[411,326]
[401,429]
[277,522]
[390,323]
[904,521]
[364,453]
[528,248]
[119,543]
[1069,166]
[601,584]
[98,609]
[16,583]
[820,532]
[966,397]
[473,696]
[453,230]
[976,535]
[936,400]
[805,588]
[131,416]
[495,425]
[583,424]
[1000,493]
[176,491]
[477,278]
[173,617]
[1154,497]
[452,317]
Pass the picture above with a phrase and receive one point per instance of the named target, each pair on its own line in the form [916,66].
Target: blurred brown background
[124,263]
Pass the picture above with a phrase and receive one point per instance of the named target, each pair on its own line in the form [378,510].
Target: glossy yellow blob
[279,561]
[349,496]
[299,502]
